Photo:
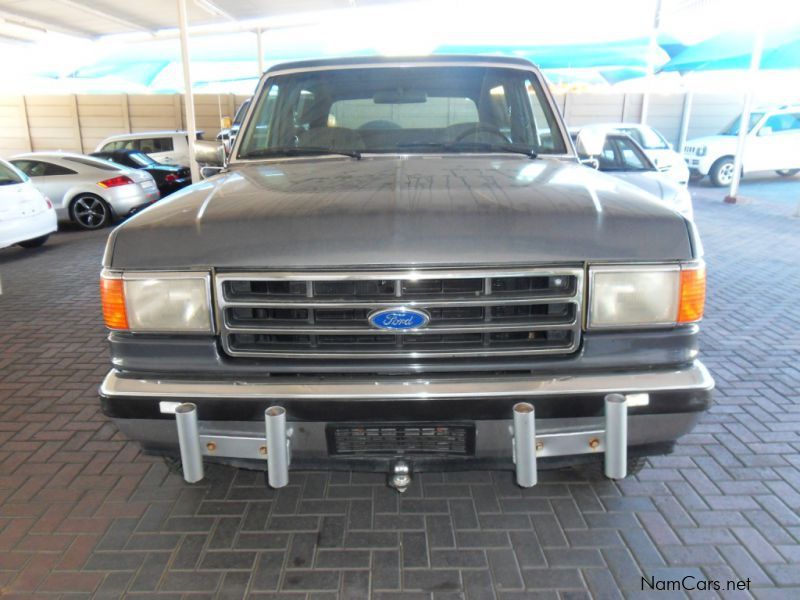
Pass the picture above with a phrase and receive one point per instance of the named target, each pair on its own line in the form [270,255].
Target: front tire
[787,172]
[721,173]
[90,212]
[35,242]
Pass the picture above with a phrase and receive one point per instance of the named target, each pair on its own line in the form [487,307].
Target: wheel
[595,469]
[721,172]
[787,172]
[90,212]
[35,242]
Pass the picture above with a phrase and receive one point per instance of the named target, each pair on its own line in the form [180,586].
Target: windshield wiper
[475,146]
[300,151]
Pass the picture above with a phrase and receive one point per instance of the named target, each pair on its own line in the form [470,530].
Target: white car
[654,145]
[88,191]
[624,159]
[27,218]
[773,144]
[169,147]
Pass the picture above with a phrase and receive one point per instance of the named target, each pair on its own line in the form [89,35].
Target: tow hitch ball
[400,476]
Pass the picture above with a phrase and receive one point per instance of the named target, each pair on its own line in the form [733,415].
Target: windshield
[733,128]
[402,110]
[9,176]
[646,137]
[141,159]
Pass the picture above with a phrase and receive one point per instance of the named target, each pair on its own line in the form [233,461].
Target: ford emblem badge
[399,319]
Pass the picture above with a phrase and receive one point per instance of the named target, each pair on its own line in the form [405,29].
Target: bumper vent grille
[394,439]
[472,313]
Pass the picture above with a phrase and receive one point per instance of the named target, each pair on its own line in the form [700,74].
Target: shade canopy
[732,50]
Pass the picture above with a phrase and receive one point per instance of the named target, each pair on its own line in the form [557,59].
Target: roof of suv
[301,65]
[145,134]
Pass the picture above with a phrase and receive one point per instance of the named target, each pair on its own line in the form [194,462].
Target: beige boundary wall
[79,122]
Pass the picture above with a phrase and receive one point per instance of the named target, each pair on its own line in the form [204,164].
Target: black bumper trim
[336,410]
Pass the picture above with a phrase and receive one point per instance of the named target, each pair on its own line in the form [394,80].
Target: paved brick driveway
[83,513]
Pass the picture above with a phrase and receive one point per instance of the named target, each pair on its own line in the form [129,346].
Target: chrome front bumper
[519,419]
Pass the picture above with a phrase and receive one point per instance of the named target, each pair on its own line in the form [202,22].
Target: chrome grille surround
[473,313]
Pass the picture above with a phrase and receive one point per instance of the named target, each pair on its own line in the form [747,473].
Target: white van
[168,147]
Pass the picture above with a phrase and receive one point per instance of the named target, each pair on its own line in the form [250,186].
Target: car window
[646,137]
[94,163]
[149,145]
[620,154]
[139,159]
[733,128]
[9,176]
[40,168]
[419,109]
[365,113]
[783,122]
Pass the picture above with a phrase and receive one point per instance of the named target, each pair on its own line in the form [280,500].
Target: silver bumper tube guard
[274,447]
[612,440]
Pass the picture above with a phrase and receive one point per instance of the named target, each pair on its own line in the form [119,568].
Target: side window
[149,145]
[37,168]
[52,169]
[32,168]
[111,146]
[783,122]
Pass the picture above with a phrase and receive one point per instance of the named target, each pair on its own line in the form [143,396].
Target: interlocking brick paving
[84,514]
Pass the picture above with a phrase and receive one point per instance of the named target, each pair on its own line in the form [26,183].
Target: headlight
[701,150]
[157,302]
[645,296]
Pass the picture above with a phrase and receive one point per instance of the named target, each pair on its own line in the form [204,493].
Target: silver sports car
[89,191]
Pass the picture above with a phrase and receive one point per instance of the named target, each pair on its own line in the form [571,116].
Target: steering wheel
[482,128]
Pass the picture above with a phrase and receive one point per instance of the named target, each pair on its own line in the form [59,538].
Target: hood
[400,211]
[717,141]
[652,182]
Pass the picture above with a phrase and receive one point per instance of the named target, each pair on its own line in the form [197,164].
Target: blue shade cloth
[621,53]
[732,50]
[156,64]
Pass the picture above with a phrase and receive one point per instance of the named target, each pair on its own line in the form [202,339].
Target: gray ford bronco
[403,266]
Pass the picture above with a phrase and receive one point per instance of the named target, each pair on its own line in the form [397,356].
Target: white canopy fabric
[96,18]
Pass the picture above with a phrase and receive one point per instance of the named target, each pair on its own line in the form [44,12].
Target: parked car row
[27,217]
[90,191]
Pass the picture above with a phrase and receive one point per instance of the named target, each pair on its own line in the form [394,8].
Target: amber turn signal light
[112,295]
[693,294]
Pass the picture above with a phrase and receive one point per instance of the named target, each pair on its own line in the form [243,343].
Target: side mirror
[209,153]
[765,131]
[589,142]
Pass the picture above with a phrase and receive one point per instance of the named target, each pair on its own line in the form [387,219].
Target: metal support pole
[191,126]
[260,50]
[525,444]
[744,121]
[652,48]
[189,442]
[685,116]
[616,457]
[277,447]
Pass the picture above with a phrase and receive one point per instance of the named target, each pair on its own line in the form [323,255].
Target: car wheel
[90,212]
[787,172]
[35,242]
[721,172]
